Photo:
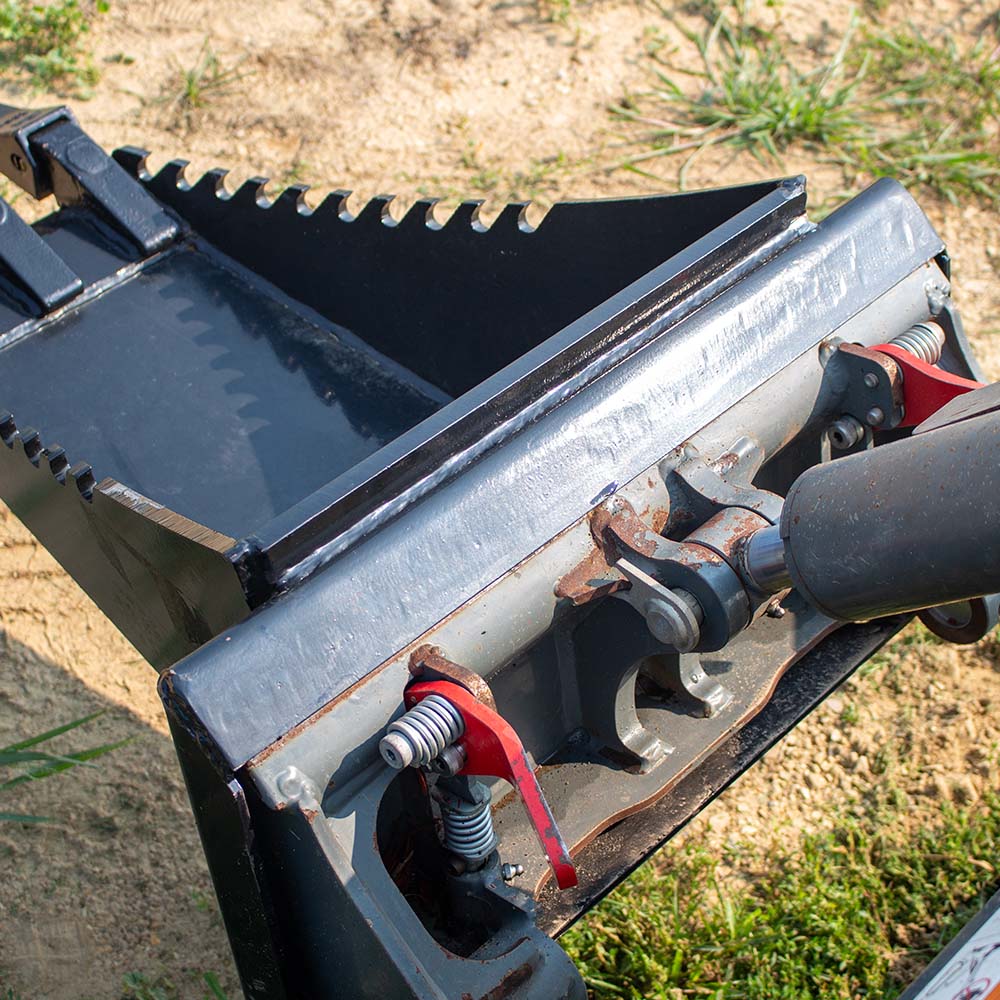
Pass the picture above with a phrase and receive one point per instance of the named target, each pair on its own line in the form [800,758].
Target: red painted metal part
[925,388]
[492,748]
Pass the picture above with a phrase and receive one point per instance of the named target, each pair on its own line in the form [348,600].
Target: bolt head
[871,380]
[875,416]
[775,610]
[396,751]
[510,872]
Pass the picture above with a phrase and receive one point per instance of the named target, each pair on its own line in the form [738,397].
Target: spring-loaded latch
[448,730]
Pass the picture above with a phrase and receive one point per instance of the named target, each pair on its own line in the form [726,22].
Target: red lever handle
[492,748]
[925,388]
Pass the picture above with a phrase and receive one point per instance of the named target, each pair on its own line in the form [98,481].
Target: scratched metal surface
[292,657]
[196,388]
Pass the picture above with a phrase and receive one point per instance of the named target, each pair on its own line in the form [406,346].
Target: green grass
[855,912]
[194,88]
[42,44]
[26,761]
[936,122]
[901,104]
[138,986]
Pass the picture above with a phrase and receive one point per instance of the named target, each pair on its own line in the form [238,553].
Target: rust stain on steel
[589,580]
[754,705]
[740,524]
[726,463]
[613,527]
[888,364]
[429,664]
[622,525]
[514,979]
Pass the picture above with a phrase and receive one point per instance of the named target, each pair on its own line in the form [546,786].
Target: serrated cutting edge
[29,442]
[377,211]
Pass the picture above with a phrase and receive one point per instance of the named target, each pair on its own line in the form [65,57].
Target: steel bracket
[46,152]
[32,266]
[869,385]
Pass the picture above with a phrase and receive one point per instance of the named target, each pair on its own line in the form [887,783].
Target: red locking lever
[925,388]
[492,748]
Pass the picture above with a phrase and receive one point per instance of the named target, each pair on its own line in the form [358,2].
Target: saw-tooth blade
[377,212]
[334,206]
[82,475]
[513,219]
[253,192]
[172,175]
[420,215]
[293,199]
[212,182]
[31,444]
[58,462]
[467,216]
[8,428]
[133,159]
[29,441]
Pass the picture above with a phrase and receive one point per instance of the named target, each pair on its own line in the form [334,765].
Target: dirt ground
[415,97]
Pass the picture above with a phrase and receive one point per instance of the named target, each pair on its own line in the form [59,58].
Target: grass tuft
[898,104]
[193,88]
[855,912]
[43,44]
[748,94]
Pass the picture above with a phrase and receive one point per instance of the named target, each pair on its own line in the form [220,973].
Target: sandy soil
[415,97]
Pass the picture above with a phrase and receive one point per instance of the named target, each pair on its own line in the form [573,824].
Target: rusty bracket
[869,384]
[428,663]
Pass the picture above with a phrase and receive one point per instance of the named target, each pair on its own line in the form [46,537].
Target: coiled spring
[468,826]
[422,733]
[923,340]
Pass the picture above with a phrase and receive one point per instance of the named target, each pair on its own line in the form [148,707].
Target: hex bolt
[509,872]
[871,380]
[875,416]
[845,432]
[775,609]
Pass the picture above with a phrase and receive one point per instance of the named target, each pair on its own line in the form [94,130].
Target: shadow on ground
[117,884]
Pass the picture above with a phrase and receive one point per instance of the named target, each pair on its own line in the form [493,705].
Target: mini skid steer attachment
[476,559]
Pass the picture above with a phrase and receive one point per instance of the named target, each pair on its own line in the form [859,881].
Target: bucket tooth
[467,214]
[83,476]
[58,462]
[513,218]
[293,199]
[213,182]
[252,192]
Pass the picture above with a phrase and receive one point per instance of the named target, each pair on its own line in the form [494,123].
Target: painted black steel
[280,447]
